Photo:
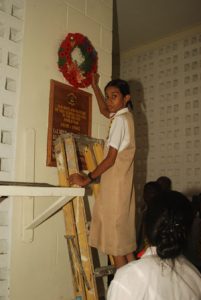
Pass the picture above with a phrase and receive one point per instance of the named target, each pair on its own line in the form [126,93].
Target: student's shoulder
[143,264]
[120,119]
[124,116]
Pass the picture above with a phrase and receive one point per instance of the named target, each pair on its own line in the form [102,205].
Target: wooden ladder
[87,279]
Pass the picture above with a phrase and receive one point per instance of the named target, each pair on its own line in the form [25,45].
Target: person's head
[117,95]
[151,189]
[168,221]
[165,183]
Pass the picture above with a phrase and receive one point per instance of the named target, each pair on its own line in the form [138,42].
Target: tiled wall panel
[166,83]
[11,30]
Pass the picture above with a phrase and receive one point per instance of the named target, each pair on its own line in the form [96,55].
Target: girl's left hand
[78,179]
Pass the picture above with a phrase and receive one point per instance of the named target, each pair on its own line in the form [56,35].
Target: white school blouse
[119,132]
[150,278]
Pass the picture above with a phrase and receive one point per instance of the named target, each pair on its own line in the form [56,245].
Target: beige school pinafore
[113,220]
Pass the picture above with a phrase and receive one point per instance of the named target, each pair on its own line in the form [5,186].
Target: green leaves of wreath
[77,60]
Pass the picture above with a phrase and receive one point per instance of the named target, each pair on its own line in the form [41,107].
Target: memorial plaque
[69,111]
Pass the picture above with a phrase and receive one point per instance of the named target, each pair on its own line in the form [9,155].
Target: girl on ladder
[113,220]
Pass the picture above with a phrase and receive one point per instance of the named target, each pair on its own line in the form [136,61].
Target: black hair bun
[171,236]
[167,223]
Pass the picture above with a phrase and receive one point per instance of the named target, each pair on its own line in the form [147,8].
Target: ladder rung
[104,271]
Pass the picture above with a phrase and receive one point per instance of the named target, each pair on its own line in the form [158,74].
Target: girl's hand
[95,80]
[78,179]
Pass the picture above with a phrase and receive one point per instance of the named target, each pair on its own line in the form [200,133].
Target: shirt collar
[150,251]
[119,112]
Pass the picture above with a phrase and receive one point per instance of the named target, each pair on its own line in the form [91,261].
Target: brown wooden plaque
[69,111]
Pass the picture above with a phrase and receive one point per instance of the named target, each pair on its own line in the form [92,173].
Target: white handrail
[65,194]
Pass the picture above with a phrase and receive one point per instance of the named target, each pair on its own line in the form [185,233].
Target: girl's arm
[107,163]
[99,95]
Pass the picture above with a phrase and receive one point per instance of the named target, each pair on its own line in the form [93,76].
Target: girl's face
[115,100]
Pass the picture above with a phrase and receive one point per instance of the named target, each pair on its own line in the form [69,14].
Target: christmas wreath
[77,60]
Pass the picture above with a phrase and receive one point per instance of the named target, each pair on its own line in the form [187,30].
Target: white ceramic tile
[77,4]
[3,288]
[106,39]
[77,22]
[100,12]
[105,62]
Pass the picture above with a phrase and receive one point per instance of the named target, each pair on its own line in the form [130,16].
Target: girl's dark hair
[123,86]
[167,223]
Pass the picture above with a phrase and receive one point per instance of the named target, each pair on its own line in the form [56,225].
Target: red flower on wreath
[77,60]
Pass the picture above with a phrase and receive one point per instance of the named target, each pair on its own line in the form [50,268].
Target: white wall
[166,81]
[40,268]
